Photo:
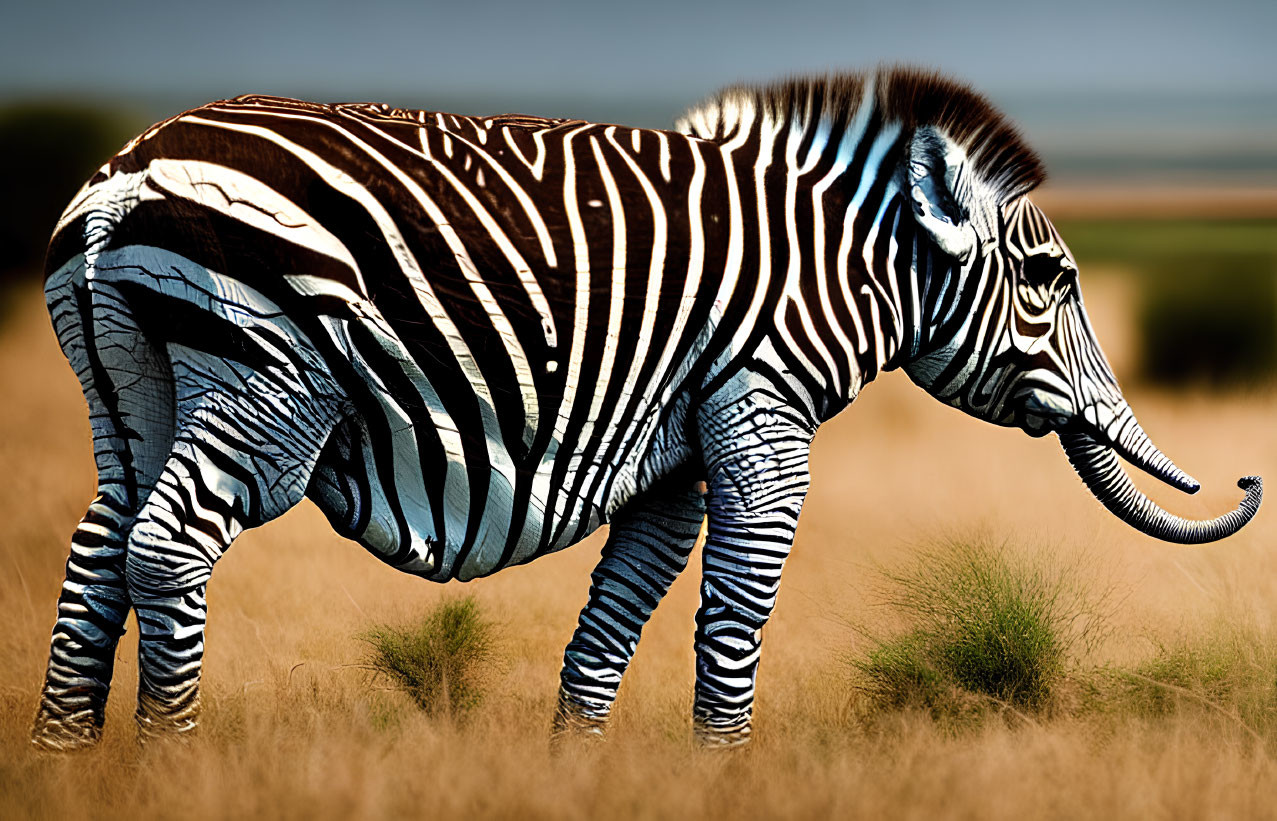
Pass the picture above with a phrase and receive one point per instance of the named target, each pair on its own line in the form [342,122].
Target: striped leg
[755,450]
[128,388]
[188,522]
[243,454]
[646,549]
[92,609]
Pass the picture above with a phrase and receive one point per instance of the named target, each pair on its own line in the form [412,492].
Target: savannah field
[294,726]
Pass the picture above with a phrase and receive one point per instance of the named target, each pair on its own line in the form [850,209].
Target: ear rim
[935,162]
[956,240]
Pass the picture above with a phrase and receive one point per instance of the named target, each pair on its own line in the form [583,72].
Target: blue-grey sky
[601,48]
[1073,71]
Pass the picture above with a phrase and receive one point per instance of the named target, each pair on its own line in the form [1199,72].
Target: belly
[447,495]
[567,498]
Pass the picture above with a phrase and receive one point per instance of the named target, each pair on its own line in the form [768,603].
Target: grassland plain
[294,728]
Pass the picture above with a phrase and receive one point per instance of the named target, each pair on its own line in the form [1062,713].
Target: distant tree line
[49,150]
[1207,307]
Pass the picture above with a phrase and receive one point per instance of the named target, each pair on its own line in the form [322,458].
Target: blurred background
[1157,120]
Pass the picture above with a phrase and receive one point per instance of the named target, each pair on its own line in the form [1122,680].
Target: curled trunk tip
[1103,475]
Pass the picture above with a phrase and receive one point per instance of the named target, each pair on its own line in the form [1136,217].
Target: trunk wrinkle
[1103,475]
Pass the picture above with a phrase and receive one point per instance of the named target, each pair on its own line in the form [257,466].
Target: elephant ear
[950,202]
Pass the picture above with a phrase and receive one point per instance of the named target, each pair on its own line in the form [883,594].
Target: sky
[1183,72]
[626,48]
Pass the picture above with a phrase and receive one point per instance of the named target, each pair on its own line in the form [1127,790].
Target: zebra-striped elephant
[473,341]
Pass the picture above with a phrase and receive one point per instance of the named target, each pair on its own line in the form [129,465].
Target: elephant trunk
[1103,475]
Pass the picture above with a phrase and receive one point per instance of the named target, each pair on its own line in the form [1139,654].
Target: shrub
[1229,670]
[439,661]
[983,627]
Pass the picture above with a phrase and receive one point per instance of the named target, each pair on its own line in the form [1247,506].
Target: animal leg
[245,447]
[128,386]
[755,449]
[647,548]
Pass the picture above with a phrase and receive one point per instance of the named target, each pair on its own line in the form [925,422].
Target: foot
[72,723]
[160,719]
[574,720]
[715,737]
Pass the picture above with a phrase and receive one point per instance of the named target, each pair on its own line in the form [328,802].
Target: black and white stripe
[472,341]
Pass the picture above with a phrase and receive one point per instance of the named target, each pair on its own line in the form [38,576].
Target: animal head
[999,329]
[1012,344]
[1024,353]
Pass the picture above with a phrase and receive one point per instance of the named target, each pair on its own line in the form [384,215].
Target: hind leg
[127,386]
[243,454]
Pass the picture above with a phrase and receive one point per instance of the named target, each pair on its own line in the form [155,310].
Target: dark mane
[908,96]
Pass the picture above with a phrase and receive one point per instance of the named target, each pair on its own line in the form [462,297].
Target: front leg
[755,447]
[647,547]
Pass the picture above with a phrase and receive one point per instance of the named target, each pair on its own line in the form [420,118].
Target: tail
[89,221]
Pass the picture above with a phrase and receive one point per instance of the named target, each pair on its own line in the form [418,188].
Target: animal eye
[1041,269]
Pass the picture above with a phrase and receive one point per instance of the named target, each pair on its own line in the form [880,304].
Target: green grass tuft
[1228,670]
[984,628]
[439,662]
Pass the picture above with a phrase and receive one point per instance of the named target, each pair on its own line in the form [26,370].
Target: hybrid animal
[473,341]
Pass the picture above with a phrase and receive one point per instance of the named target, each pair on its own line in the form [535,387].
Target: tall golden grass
[293,727]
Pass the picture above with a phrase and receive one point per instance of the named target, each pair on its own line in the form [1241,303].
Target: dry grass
[293,729]
[1225,669]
